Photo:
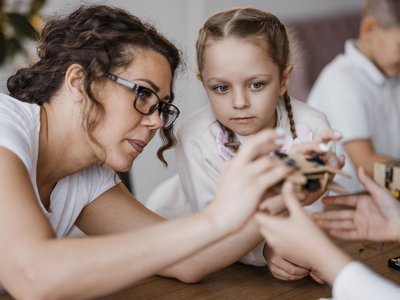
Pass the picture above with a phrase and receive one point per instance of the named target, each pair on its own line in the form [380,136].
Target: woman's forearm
[216,256]
[96,266]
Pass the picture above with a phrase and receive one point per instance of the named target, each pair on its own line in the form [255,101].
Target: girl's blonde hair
[255,26]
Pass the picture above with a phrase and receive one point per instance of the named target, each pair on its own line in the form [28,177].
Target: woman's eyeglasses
[147,101]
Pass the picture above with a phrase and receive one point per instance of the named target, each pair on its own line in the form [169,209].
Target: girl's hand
[322,142]
[318,277]
[246,178]
[295,237]
[374,217]
[282,268]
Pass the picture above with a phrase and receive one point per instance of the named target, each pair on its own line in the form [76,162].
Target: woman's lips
[138,145]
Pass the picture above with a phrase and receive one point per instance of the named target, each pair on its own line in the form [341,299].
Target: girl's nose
[240,100]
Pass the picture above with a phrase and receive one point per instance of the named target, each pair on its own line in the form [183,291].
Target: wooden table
[245,282]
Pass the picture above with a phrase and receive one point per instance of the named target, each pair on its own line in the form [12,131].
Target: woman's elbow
[187,275]
[26,279]
[29,290]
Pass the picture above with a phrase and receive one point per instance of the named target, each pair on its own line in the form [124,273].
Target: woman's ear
[74,82]
[285,79]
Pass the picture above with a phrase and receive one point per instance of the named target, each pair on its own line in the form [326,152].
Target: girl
[101,89]
[243,64]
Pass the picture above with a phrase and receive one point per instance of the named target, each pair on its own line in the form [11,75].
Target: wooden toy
[311,175]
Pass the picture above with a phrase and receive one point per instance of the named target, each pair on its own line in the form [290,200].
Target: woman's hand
[246,178]
[374,217]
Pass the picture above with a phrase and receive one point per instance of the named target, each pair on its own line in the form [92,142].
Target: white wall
[179,20]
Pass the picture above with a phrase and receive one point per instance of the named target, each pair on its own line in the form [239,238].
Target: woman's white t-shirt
[19,132]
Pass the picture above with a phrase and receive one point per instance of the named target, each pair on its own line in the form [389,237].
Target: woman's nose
[154,120]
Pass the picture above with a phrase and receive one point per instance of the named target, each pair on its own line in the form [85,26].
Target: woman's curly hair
[98,38]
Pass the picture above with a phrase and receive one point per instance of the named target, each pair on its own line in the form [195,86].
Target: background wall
[180,20]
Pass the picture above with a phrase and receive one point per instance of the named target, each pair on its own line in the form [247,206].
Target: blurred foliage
[16,26]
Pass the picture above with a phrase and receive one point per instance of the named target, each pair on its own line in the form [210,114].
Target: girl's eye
[257,85]
[220,89]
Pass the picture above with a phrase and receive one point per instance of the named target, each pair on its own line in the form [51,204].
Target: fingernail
[334,161]
[323,147]
[291,163]
[280,131]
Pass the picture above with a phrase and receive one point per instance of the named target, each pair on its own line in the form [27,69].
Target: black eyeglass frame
[161,106]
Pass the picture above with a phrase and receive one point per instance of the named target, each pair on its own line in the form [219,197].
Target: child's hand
[295,237]
[374,217]
[321,143]
[246,178]
[299,239]
[327,135]
[281,268]
[317,277]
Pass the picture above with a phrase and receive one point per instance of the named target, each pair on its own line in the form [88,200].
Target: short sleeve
[344,104]
[19,129]
[99,179]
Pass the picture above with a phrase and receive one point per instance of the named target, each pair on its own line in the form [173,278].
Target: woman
[101,89]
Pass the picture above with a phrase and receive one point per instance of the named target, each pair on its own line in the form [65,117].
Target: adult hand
[246,178]
[374,217]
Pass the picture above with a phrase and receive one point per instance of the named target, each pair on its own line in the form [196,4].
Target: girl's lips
[243,120]
[138,145]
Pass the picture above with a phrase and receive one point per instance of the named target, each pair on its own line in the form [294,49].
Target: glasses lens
[146,101]
[168,114]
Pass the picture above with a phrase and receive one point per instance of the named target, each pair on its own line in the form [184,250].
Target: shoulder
[97,173]
[302,110]
[341,72]
[305,116]
[19,128]
[97,179]
[198,135]
[199,124]
[344,77]
[11,107]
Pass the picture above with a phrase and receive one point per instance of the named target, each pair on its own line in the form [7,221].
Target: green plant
[16,27]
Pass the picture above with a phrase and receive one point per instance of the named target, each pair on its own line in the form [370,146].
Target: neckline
[48,211]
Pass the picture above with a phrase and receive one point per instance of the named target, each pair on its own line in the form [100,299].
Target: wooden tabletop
[246,282]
